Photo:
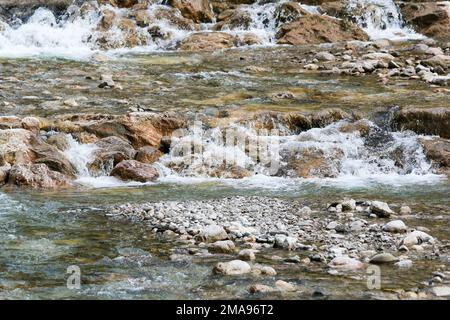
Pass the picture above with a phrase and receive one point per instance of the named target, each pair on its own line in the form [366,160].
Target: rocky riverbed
[345,238]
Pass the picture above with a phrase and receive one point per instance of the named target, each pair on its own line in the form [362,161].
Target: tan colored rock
[111,151]
[312,29]
[37,176]
[430,18]
[233,19]
[434,121]
[260,288]
[207,41]
[148,155]
[58,140]
[232,268]
[172,16]
[225,246]
[195,10]
[44,153]
[288,12]
[15,146]
[248,39]
[132,170]
[285,286]
[437,151]
[32,124]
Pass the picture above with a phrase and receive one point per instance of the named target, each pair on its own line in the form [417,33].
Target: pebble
[260,288]
[381,209]
[405,210]
[225,246]
[395,226]
[232,268]
[247,254]
[383,258]
[285,286]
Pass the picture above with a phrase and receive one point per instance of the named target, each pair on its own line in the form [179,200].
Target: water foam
[381,19]
[81,155]
[386,158]
[43,35]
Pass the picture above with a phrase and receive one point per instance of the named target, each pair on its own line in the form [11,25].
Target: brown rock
[49,155]
[288,12]
[434,121]
[233,19]
[207,41]
[111,151]
[59,141]
[15,146]
[318,29]
[135,171]
[311,162]
[4,173]
[36,176]
[196,10]
[172,16]
[437,151]
[148,155]
[429,18]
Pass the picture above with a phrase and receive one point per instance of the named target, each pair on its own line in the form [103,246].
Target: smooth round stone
[383,258]
[395,226]
[405,210]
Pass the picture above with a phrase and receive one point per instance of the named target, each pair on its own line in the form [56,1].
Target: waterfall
[380,19]
[76,34]
[42,34]
[81,155]
[378,156]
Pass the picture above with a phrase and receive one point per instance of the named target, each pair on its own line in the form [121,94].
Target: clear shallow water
[42,234]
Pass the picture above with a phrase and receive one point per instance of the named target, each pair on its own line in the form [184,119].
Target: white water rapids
[73,35]
[346,159]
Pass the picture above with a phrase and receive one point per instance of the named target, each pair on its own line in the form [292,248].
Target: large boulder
[36,176]
[310,29]
[110,152]
[139,129]
[51,156]
[207,41]
[288,12]
[196,10]
[311,163]
[132,170]
[172,16]
[20,146]
[148,155]
[434,121]
[428,17]
[14,146]
[437,151]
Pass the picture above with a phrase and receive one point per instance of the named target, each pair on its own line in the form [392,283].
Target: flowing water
[74,34]
[43,233]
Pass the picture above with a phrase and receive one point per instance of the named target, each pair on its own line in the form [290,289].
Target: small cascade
[42,34]
[81,155]
[77,34]
[381,19]
[338,151]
